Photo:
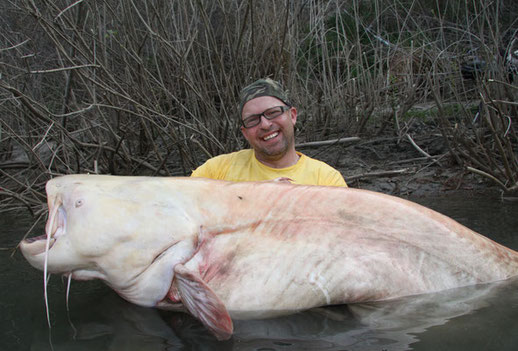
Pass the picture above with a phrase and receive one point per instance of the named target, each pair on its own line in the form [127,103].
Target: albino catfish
[223,250]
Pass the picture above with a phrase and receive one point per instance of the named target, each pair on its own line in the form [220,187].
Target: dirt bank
[417,164]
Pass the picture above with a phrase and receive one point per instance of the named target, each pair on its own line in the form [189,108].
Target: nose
[265,123]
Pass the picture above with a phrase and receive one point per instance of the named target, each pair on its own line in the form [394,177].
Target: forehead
[259,104]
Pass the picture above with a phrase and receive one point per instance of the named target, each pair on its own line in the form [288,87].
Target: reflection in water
[114,324]
[472,318]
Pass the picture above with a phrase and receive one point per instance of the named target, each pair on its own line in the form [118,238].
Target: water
[474,318]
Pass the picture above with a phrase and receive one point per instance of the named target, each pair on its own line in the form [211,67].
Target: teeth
[270,136]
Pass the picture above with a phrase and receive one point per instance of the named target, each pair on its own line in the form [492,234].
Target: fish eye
[79,203]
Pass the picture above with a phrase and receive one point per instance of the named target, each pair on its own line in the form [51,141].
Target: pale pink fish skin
[291,247]
[257,249]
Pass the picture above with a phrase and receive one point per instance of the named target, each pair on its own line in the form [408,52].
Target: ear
[293,115]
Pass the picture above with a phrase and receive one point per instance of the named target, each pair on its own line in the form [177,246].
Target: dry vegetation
[150,87]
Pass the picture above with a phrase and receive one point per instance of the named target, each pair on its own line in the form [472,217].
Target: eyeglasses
[271,113]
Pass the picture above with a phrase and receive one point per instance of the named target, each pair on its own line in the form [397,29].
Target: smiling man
[268,124]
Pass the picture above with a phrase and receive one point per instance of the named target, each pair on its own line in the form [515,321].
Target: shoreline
[396,166]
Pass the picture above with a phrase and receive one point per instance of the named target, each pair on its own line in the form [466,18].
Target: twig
[7,192]
[68,8]
[416,159]
[15,46]
[487,175]
[379,174]
[63,69]
[86,109]
[43,138]
[506,102]
[328,142]
[421,151]
[194,140]
[503,83]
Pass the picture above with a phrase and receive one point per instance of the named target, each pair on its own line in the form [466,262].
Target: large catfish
[223,250]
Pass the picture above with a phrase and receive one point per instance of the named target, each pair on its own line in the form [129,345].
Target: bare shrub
[150,87]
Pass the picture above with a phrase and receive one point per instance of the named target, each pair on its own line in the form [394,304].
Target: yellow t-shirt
[242,166]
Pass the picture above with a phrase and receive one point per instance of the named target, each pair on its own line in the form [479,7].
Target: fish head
[112,229]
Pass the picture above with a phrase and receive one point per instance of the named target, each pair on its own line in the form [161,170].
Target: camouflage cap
[262,87]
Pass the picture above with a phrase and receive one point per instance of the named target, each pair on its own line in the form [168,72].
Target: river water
[475,318]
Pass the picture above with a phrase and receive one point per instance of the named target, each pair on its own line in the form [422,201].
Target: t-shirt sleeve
[310,171]
[334,178]
[203,171]
[214,168]
[327,175]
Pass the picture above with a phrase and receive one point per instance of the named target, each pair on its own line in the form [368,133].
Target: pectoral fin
[203,303]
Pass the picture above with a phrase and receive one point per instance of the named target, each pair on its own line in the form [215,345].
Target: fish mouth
[36,245]
[55,227]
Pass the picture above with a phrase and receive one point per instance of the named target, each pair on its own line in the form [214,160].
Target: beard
[278,150]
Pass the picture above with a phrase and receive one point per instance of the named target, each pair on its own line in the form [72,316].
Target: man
[268,124]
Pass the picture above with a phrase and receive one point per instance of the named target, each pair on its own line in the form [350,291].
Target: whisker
[68,289]
[45,283]
[47,248]
[50,341]
[69,276]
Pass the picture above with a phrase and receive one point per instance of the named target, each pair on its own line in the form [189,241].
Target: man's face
[271,139]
